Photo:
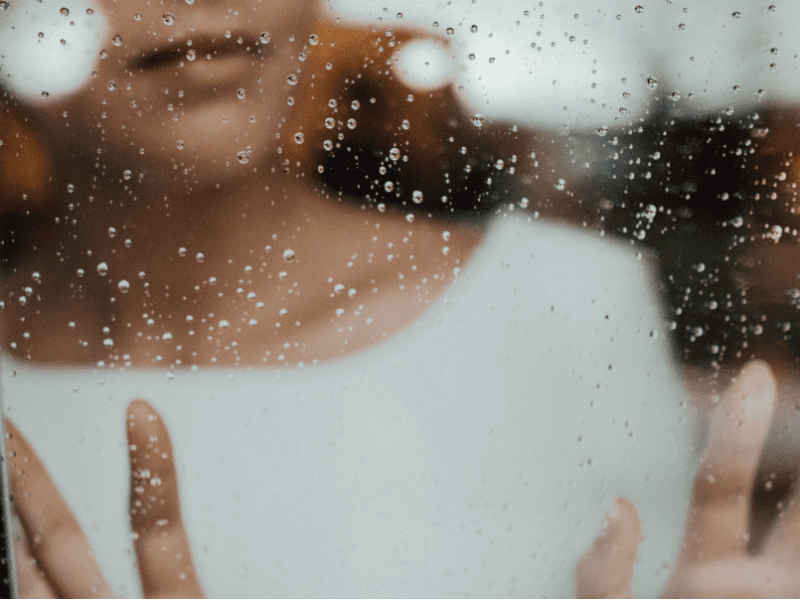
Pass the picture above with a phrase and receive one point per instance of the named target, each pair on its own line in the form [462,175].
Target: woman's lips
[197,50]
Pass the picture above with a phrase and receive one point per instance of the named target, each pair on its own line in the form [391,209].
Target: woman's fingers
[605,571]
[57,541]
[162,548]
[784,540]
[719,515]
[31,580]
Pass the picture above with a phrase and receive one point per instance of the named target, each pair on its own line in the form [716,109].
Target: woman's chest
[487,481]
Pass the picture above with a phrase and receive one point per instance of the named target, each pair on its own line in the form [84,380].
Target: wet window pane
[353,299]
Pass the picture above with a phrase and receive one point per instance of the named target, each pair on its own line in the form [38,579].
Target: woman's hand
[714,560]
[53,556]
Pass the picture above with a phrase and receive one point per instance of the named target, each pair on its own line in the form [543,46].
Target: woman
[192,217]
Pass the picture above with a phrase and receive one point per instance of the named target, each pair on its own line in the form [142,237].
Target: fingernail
[614,512]
[610,521]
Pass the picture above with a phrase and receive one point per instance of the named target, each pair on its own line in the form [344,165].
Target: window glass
[417,289]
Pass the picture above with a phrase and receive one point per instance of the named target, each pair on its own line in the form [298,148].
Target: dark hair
[690,188]
[404,149]
[25,174]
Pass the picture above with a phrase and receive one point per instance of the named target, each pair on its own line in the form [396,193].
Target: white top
[476,453]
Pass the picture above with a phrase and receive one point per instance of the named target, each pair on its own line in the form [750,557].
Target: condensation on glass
[416,289]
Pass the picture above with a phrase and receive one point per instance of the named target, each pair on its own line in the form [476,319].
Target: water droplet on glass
[182,252]
[381,207]
[410,217]
[394,154]
[291,79]
[3,5]
[639,9]
[181,145]
[200,257]
[123,286]
[137,16]
[450,31]
[736,14]
[327,144]
[524,203]
[602,131]
[560,185]
[108,343]
[355,105]
[478,120]
[289,255]
[243,157]
[351,123]
[388,186]
[241,93]
[330,123]
[70,188]
[264,37]
[126,175]
[223,324]
[112,231]
[406,124]
[299,138]
[191,54]
[169,19]
[652,83]
[64,11]
[313,39]
[102,269]
[417,197]
[117,40]
[474,29]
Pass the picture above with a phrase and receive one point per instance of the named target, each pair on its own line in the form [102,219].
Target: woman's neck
[269,271]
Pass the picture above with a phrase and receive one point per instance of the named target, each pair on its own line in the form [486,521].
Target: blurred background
[588,64]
